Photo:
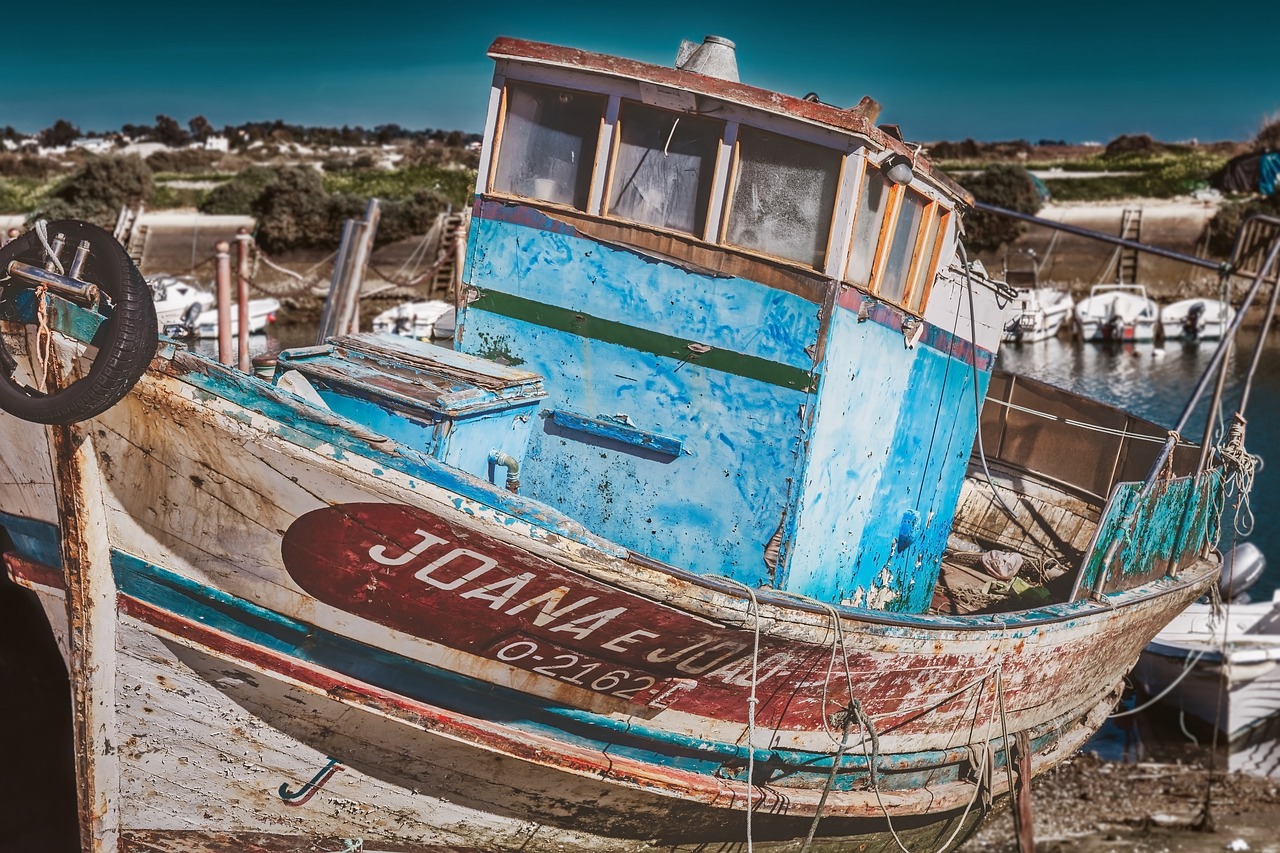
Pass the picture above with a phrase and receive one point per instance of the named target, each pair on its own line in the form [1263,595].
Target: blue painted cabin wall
[867,467]
[712,509]
[889,446]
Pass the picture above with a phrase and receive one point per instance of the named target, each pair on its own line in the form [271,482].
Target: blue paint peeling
[893,431]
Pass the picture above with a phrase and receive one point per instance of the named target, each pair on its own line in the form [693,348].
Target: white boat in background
[261,312]
[1036,314]
[178,300]
[1196,319]
[1117,312]
[1221,666]
[431,319]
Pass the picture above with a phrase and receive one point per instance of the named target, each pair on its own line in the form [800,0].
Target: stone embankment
[1077,263]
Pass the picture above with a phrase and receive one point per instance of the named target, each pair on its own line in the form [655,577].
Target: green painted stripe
[643,340]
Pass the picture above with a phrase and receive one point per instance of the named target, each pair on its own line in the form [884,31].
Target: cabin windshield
[784,195]
[548,137]
[664,167]
[721,181]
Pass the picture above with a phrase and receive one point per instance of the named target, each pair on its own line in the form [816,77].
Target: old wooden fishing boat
[676,547]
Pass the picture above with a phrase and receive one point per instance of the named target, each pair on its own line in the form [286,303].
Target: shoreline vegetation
[298,185]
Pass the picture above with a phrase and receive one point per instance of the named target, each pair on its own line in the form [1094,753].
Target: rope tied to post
[307,284]
[1240,466]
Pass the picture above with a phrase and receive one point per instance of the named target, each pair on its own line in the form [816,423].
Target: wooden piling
[222,255]
[242,339]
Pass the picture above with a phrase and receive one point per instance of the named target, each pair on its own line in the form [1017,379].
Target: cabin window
[927,258]
[868,222]
[891,283]
[663,168]
[783,197]
[548,145]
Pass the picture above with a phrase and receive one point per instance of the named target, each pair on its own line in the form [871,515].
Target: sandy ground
[1092,806]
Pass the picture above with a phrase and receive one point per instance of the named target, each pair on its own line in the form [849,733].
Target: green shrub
[294,211]
[183,160]
[97,189]
[1163,175]
[20,195]
[1227,221]
[454,184]
[1003,185]
[1268,138]
[239,195]
[404,219]
[167,197]
[27,166]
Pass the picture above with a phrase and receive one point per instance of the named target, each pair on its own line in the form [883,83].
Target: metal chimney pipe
[715,57]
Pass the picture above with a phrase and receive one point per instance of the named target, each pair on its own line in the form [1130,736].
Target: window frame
[499,137]
[922,268]
[715,202]
[855,159]
[735,172]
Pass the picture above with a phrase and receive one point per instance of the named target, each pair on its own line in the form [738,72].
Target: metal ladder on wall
[1127,258]
[130,234]
[450,224]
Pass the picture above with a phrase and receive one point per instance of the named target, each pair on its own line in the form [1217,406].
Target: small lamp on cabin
[897,168]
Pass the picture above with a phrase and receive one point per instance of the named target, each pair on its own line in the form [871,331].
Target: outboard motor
[1191,324]
[1241,568]
[1112,328]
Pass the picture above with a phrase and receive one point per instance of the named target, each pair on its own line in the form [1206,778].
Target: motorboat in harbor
[673,550]
[1117,312]
[424,320]
[261,312]
[179,301]
[1036,314]
[1219,664]
[1193,320]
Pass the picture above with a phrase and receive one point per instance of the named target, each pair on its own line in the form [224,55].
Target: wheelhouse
[748,315]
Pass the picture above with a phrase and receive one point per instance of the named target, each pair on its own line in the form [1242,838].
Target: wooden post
[242,339]
[329,315]
[350,317]
[91,621]
[341,315]
[222,254]
[1023,821]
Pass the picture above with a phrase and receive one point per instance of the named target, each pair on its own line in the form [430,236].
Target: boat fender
[125,341]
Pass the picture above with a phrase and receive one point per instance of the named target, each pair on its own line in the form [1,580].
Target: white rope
[1187,666]
[42,231]
[1241,466]
[1087,426]
[981,770]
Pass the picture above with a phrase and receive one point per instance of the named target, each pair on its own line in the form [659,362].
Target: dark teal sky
[1078,71]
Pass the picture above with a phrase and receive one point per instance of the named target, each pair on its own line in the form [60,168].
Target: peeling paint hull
[246,662]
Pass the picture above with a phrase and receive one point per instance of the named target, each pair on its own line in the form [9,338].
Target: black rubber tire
[126,340]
